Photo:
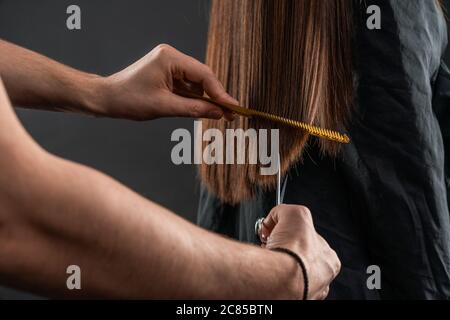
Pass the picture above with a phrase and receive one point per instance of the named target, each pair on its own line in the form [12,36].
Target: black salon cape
[384,202]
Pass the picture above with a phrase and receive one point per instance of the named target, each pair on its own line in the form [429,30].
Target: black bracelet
[302,266]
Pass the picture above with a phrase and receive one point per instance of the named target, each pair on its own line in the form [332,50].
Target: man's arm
[34,80]
[55,213]
[145,90]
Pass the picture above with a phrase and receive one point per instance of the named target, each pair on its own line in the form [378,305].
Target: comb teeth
[246,112]
[312,130]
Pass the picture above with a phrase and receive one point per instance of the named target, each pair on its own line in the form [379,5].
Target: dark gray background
[114,34]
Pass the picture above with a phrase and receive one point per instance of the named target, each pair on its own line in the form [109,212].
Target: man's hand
[147,89]
[143,91]
[292,227]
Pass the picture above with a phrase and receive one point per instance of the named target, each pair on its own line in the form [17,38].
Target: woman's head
[291,58]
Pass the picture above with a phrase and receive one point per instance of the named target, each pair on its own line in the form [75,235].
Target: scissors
[279,200]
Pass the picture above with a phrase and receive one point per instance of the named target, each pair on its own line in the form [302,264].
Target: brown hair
[291,58]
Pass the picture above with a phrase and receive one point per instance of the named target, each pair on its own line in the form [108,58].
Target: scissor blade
[279,181]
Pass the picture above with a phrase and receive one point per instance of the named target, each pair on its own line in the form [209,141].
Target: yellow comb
[312,130]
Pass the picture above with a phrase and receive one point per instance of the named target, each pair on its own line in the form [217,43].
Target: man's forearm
[33,80]
[125,245]
[145,90]
[55,213]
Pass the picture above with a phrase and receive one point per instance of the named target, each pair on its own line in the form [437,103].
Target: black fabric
[385,200]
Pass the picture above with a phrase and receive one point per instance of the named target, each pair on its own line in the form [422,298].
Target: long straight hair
[291,58]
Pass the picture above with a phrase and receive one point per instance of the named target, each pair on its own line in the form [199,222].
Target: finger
[198,72]
[324,294]
[188,86]
[336,264]
[323,242]
[229,116]
[181,86]
[334,259]
[270,221]
[196,88]
[267,226]
[178,106]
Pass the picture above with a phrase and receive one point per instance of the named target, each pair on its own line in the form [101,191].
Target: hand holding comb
[250,113]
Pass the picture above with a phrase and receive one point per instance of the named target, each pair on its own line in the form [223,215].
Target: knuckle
[163,47]
[336,264]
[305,211]
[325,293]
[302,211]
[210,73]
[277,208]
[282,208]
[162,50]
[211,81]
[206,69]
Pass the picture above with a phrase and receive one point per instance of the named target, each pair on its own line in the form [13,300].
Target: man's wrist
[289,274]
[91,97]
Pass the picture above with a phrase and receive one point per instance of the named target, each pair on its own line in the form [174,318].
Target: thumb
[270,222]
